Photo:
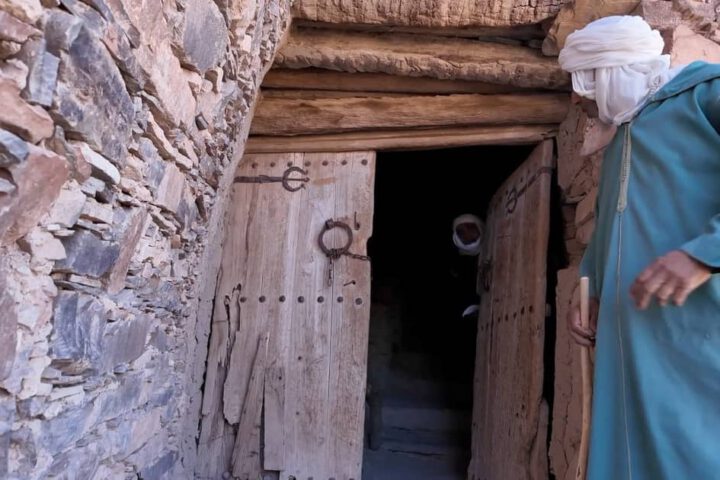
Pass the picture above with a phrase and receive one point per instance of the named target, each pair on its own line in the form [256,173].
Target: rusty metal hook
[286,179]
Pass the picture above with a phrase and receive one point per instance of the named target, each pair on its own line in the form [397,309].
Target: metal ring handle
[335,253]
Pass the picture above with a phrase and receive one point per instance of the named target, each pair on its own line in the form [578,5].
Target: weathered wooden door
[509,413]
[285,383]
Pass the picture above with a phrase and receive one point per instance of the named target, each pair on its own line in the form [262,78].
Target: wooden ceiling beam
[318,79]
[428,13]
[421,56]
[518,33]
[277,115]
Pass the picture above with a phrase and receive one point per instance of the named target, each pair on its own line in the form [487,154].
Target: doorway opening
[422,349]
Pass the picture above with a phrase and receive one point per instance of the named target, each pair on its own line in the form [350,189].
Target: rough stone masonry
[119,123]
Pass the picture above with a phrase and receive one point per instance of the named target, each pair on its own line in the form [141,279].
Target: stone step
[426,419]
[454,450]
[390,465]
[425,393]
[394,435]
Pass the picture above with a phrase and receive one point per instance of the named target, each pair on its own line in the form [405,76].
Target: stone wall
[119,123]
[580,143]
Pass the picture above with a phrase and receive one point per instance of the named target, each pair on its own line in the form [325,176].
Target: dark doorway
[422,349]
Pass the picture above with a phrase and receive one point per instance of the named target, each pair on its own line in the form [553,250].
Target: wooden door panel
[509,427]
[285,380]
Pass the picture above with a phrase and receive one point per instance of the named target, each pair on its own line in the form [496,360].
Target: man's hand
[671,277]
[584,336]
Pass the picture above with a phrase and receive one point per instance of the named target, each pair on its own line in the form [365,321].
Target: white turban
[617,61]
[474,248]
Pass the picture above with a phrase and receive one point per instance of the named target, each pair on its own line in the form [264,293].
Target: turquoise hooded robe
[656,407]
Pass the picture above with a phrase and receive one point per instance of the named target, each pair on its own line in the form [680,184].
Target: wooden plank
[282,322]
[239,314]
[324,424]
[421,56]
[300,94]
[217,437]
[253,309]
[246,454]
[507,34]
[412,139]
[427,13]
[354,183]
[510,416]
[232,396]
[274,418]
[536,217]
[265,276]
[286,116]
[318,79]
[311,326]
[255,255]
[503,272]
[509,337]
[279,286]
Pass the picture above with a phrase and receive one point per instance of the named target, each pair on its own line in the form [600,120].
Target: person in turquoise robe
[653,259]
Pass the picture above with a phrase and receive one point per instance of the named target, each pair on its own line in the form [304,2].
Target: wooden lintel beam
[415,139]
[277,116]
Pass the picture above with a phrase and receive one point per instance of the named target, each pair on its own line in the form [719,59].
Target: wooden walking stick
[587,382]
